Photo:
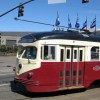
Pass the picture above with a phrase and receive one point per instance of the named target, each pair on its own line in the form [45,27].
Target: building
[11,38]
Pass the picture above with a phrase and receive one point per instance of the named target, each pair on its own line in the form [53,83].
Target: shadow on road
[15,89]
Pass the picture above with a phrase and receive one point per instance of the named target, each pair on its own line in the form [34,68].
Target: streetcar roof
[69,35]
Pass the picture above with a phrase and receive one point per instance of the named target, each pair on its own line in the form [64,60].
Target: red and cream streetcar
[58,60]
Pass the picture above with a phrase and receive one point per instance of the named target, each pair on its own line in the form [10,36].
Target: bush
[3,48]
[15,48]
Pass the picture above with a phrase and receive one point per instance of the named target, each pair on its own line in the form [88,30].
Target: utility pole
[34,22]
[16,7]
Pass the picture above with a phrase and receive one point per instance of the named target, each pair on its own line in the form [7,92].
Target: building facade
[11,38]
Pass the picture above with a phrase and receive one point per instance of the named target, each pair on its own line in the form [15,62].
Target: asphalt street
[6,69]
[7,61]
[8,90]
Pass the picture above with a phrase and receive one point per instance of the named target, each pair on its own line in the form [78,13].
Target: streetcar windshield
[29,52]
[20,50]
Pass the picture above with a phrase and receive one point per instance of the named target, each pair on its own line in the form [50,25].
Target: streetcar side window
[95,53]
[68,54]
[62,55]
[48,52]
[75,54]
[80,55]
[52,52]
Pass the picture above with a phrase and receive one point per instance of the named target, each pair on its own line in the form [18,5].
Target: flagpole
[77,20]
[68,21]
[86,22]
[77,23]
[95,24]
[57,22]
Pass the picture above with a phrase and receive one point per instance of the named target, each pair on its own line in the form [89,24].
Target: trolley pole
[15,7]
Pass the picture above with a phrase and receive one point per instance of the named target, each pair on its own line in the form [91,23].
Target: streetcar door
[77,66]
[72,60]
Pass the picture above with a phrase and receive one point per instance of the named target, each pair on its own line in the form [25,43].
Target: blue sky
[41,11]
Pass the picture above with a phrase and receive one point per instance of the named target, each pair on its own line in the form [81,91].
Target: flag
[93,24]
[57,20]
[77,25]
[69,23]
[56,1]
[85,24]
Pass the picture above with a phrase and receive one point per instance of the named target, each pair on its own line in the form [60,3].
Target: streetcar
[57,60]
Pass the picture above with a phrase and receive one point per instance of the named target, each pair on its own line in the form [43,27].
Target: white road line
[3,74]
[4,84]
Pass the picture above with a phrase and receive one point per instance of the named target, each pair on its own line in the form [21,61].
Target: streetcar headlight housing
[20,66]
[30,74]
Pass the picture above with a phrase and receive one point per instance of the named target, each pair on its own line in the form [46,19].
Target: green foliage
[3,48]
[15,48]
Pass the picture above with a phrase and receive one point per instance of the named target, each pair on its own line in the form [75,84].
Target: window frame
[25,51]
[49,53]
[95,53]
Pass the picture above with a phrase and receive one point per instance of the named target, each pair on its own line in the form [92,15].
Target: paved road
[7,61]
[6,78]
[10,92]
[6,69]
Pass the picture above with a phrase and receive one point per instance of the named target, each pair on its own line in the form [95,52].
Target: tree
[15,48]
[3,48]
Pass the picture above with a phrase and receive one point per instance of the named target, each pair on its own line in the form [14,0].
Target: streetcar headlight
[30,74]
[20,66]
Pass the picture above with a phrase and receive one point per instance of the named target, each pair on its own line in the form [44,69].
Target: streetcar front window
[30,52]
[20,50]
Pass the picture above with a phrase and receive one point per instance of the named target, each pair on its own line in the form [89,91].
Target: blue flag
[84,24]
[69,23]
[77,25]
[57,23]
[93,24]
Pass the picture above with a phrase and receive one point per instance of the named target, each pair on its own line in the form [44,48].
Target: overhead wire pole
[15,7]
[40,23]
[33,21]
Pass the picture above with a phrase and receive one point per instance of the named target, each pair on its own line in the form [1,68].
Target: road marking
[3,74]
[4,84]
